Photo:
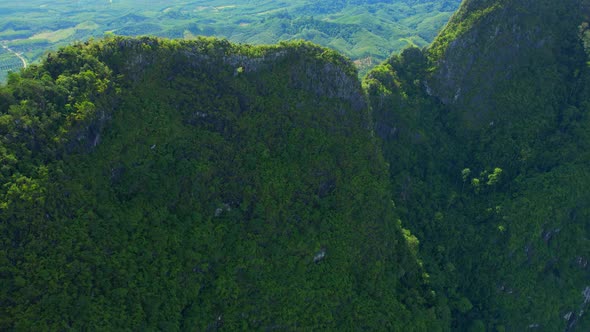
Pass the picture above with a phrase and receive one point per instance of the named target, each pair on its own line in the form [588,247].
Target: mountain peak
[489,44]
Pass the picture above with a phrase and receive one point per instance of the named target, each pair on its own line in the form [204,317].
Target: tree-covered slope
[170,185]
[176,185]
[486,133]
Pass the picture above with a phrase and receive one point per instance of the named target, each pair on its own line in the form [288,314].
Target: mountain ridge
[206,185]
[219,186]
[488,133]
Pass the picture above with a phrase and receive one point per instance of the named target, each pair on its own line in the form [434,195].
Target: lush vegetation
[201,185]
[366,31]
[491,174]
[152,184]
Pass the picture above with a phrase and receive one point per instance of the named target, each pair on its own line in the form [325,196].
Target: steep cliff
[486,133]
[508,61]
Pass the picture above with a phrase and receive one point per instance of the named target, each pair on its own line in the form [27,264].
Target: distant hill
[367,31]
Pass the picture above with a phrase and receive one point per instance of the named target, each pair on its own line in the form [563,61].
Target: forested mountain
[152,184]
[486,133]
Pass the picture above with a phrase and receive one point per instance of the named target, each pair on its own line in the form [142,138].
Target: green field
[8,62]
[367,31]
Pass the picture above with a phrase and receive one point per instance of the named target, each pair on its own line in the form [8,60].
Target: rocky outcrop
[499,43]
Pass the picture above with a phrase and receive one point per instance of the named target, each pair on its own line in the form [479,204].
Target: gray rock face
[479,68]
[87,135]
[319,256]
[311,72]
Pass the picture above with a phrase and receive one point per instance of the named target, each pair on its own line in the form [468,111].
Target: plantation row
[12,64]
